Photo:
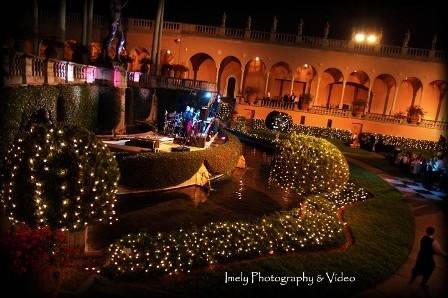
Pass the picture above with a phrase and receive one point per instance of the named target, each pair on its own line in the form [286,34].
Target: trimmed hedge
[308,165]
[75,105]
[61,177]
[160,170]
[279,121]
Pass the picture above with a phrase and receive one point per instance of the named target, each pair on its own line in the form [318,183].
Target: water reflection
[245,195]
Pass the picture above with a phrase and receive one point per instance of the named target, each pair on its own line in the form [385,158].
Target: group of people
[432,171]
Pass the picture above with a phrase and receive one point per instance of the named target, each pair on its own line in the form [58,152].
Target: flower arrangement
[399,115]
[415,110]
[32,251]
[305,98]
[415,113]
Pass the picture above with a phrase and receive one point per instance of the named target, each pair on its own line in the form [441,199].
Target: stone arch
[356,87]
[383,89]
[254,81]
[304,77]
[329,92]
[203,67]
[279,82]
[409,91]
[436,100]
[229,67]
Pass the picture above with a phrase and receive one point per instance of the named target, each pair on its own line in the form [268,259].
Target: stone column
[35,27]
[89,28]
[62,16]
[394,100]
[369,98]
[342,94]
[84,22]
[317,91]
[292,84]
[267,84]
[156,38]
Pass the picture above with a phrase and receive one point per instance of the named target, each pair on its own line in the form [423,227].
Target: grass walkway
[383,229]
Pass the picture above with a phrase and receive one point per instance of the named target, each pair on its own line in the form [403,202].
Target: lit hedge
[343,135]
[159,170]
[315,225]
[308,165]
[62,177]
[408,143]
[69,104]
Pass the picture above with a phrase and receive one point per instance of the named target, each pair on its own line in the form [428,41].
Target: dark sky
[423,18]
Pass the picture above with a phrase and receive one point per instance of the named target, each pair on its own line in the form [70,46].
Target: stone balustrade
[147,25]
[335,112]
[23,69]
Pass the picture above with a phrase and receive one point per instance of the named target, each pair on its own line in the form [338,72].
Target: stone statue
[223,20]
[248,23]
[434,42]
[115,30]
[407,37]
[274,24]
[300,28]
[327,30]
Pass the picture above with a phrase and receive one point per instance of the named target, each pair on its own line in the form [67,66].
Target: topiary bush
[160,170]
[279,121]
[61,177]
[308,165]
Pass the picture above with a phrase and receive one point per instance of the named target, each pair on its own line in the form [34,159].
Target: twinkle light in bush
[60,177]
[279,121]
[314,225]
[224,112]
[308,165]
[410,144]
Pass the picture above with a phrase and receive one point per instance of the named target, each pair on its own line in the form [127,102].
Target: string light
[314,225]
[54,183]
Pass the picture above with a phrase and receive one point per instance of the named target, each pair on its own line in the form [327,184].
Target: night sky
[423,18]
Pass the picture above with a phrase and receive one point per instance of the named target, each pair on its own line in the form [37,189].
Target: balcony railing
[335,112]
[262,36]
[26,69]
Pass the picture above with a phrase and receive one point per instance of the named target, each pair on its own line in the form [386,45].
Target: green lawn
[383,231]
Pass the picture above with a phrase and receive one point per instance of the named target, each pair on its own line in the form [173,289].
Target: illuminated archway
[229,67]
[254,81]
[279,80]
[330,92]
[204,68]
[382,94]
[409,91]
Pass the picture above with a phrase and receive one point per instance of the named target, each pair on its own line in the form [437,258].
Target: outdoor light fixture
[371,38]
[257,58]
[360,37]
[208,95]
[168,52]
[305,65]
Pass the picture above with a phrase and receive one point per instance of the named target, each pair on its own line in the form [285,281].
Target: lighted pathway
[426,212]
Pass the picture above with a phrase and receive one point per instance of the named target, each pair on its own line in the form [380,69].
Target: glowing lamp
[371,38]
[360,37]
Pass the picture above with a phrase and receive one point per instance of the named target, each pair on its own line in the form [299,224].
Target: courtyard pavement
[427,210]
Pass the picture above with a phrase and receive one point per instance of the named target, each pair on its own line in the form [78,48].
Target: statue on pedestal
[300,28]
[434,42]
[248,23]
[407,37]
[274,24]
[327,30]
[115,30]
[223,20]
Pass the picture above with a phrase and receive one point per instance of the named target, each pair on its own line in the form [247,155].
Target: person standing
[425,263]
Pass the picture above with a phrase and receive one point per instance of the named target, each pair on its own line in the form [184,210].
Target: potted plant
[415,114]
[400,115]
[179,70]
[305,101]
[359,106]
[35,258]
[251,94]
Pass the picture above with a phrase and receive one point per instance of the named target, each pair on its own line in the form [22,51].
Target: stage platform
[165,145]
